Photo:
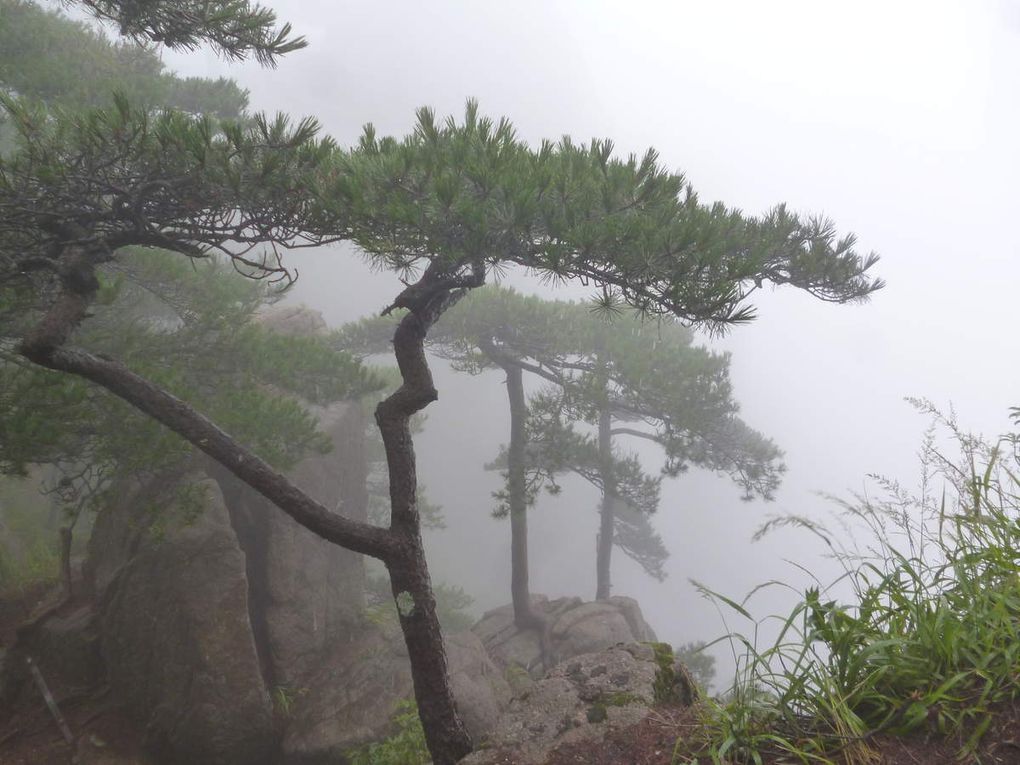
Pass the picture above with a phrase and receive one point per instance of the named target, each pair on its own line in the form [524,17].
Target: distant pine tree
[625,377]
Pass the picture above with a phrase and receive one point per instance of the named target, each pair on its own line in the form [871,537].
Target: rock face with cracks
[306,593]
[176,638]
[353,699]
[581,698]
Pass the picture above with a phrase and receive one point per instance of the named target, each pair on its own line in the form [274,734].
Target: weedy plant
[405,747]
[926,638]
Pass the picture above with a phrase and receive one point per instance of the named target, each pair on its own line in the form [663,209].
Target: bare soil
[673,737]
[29,735]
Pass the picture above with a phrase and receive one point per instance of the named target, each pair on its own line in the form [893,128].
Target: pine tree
[608,374]
[445,205]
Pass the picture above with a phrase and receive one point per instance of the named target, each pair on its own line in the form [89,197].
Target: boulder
[573,627]
[582,698]
[353,699]
[175,631]
[293,320]
[479,687]
[66,648]
[307,592]
[631,611]
[62,640]
[589,627]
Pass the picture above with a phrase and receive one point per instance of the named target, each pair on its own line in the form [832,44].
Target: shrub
[405,747]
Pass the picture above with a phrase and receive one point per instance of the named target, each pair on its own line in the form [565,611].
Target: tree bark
[517,500]
[447,739]
[607,516]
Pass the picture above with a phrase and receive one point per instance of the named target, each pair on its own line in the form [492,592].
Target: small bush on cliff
[405,747]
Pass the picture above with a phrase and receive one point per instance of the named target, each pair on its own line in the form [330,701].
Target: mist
[896,122]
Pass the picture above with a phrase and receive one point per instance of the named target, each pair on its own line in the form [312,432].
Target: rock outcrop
[306,593]
[352,700]
[175,635]
[574,627]
[584,698]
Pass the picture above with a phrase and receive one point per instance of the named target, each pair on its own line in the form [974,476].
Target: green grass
[925,641]
[406,746]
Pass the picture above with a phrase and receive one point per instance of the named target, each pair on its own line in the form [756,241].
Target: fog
[899,121]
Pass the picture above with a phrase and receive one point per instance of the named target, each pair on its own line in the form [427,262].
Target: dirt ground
[671,737]
[29,735]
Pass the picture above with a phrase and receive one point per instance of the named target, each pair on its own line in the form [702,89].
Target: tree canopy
[47,56]
[194,331]
[189,327]
[462,198]
[234,28]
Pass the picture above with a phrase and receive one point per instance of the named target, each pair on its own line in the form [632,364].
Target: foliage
[121,176]
[190,328]
[466,198]
[203,320]
[405,747]
[47,56]
[927,640]
[665,686]
[556,446]
[284,698]
[227,364]
[193,329]
[234,28]
[646,374]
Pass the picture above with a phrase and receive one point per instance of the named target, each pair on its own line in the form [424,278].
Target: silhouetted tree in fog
[606,373]
[646,380]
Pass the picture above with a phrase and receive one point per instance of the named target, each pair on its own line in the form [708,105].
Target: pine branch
[235,28]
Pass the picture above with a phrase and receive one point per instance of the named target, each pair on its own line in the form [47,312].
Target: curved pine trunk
[447,739]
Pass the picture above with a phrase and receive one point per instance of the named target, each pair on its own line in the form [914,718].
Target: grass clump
[924,641]
[405,747]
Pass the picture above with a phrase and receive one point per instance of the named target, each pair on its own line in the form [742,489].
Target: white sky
[897,119]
